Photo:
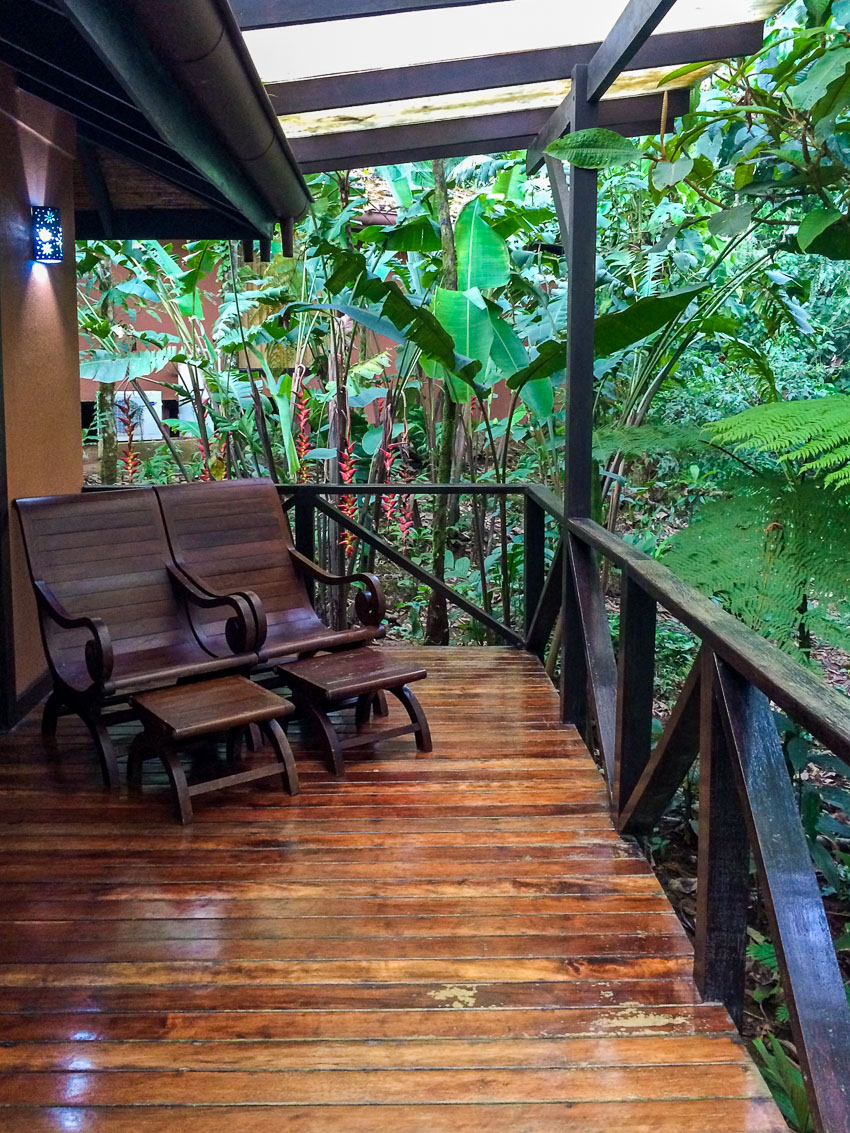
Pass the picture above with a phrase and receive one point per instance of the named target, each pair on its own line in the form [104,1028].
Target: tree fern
[634,442]
[776,553]
[814,435]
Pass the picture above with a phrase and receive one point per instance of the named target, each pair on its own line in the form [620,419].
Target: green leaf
[620,329]
[539,397]
[417,235]
[813,224]
[669,173]
[730,222]
[466,321]
[688,69]
[551,357]
[109,367]
[595,149]
[831,66]
[508,352]
[833,242]
[482,255]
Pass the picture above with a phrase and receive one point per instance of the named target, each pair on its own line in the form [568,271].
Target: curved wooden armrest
[98,651]
[370,604]
[245,632]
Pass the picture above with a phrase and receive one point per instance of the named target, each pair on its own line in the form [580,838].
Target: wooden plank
[817,1004]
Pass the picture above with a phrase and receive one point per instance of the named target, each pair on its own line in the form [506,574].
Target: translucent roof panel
[450,107]
[409,39]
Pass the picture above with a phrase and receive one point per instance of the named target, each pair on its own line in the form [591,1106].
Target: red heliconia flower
[389,502]
[302,441]
[348,504]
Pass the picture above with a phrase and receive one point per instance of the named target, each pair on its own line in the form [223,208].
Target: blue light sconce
[46,234]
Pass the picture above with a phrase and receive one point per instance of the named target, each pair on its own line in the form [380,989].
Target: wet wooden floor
[443,943]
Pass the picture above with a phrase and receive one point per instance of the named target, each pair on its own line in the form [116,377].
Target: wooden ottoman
[323,683]
[171,716]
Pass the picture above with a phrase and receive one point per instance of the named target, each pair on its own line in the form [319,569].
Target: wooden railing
[746,798]
[541,584]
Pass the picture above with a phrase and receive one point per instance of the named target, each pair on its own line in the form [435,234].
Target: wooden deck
[442,943]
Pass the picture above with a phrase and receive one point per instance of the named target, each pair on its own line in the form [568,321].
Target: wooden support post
[811,979]
[573,658]
[723,862]
[534,562]
[635,685]
[305,534]
[581,268]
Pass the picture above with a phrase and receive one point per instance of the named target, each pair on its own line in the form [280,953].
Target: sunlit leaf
[482,254]
[595,149]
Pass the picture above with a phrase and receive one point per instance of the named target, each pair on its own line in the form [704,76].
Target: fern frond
[651,440]
[776,554]
[815,434]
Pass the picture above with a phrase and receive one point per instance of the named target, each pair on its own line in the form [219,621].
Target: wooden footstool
[174,715]
[323,683]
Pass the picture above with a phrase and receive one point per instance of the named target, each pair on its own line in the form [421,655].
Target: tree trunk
[437,619]
[107,433]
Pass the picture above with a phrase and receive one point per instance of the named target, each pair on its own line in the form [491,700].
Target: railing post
[722,863]
[534,563]
[635,686]
[305,533]
[573,654]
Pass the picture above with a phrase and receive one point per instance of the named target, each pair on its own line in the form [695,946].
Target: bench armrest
[98,650]
[369,603]
[245,631]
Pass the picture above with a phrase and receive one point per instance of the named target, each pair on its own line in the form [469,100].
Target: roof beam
[633,27]
[456,76]
[255,14]
[162,224]
[491,133]
[98,188]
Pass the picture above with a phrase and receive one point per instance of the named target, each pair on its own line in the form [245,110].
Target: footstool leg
[327,732]
[379,703]
[234,745]
[284,755]
[179,786]
[140,750]
[253,737]
[417,716]
[363,710]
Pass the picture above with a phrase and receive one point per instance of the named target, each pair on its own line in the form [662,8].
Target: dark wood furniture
[234,536]
[325,683]
[173,716]
[116,614]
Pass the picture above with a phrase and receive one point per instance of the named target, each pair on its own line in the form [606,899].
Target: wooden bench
[230,705]
[234,536]
[325,683]
[114,609]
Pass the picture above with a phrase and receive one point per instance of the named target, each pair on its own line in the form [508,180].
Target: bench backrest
[234,535]
[104,554]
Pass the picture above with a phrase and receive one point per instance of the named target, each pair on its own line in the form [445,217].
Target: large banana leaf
[466,318]
[482,255]
[108,366]
[634,323]
[508,352]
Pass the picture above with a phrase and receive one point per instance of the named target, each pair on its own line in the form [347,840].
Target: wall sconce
[46,234]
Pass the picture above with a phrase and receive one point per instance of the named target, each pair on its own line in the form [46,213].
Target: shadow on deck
[447,942]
